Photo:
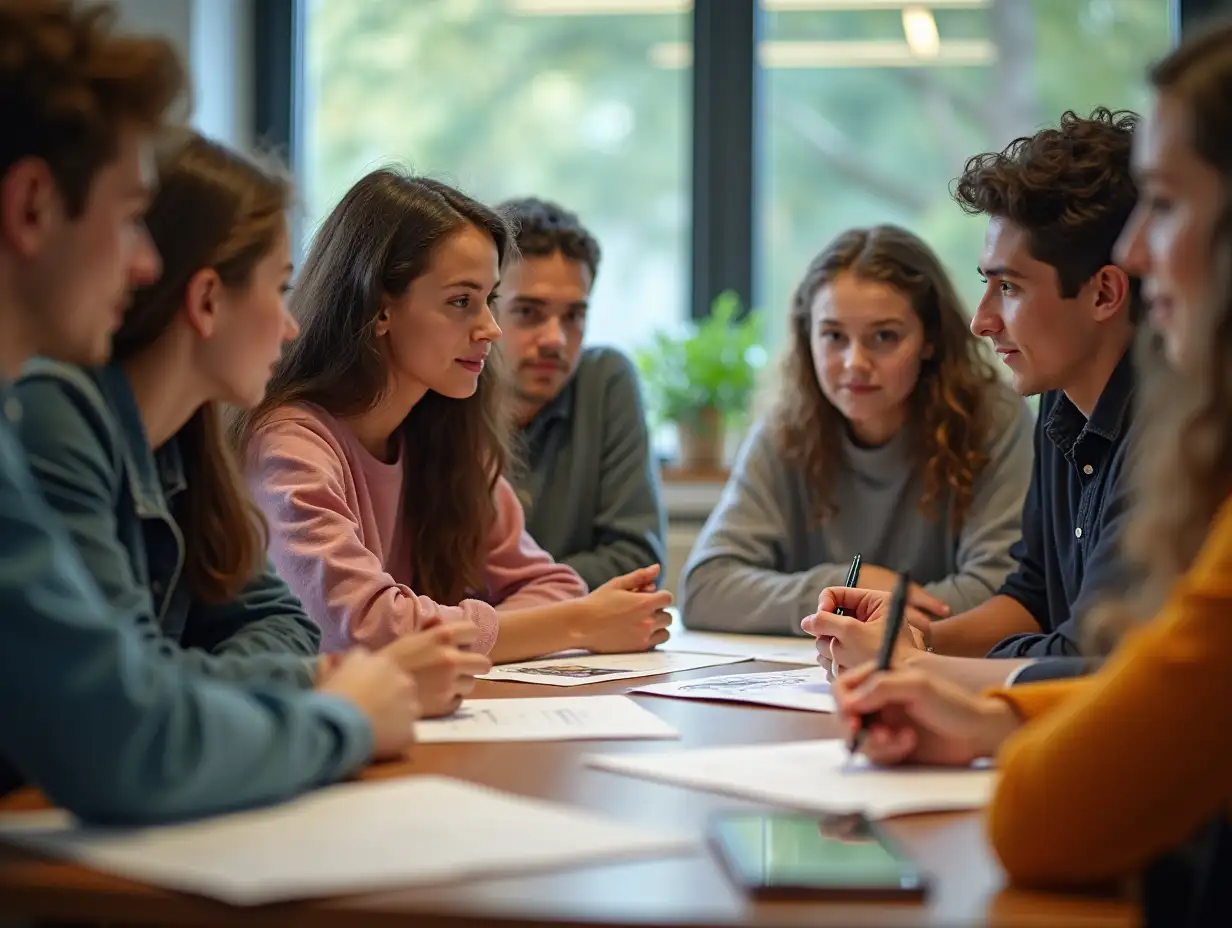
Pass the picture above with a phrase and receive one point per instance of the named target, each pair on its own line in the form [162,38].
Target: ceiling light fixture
[826,55]
[652,7]
[921,31]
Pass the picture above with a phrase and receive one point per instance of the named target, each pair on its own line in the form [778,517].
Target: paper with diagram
[805,688]
[812,775]
[553,718]
[346,839]
[598,668]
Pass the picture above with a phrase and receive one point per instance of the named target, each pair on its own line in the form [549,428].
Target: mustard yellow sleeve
[1031,700]
[1132,762]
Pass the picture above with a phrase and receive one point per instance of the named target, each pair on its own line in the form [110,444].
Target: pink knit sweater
[336,539]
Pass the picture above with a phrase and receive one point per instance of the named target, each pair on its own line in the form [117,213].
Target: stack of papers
[347,839]
[812,775]
[600,668]
[554,718]
[806,689]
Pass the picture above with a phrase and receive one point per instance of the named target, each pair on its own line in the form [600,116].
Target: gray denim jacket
[87,448]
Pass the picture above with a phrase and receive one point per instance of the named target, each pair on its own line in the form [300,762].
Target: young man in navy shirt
[1061,316]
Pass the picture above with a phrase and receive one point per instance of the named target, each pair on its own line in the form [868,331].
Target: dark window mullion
[724,217]
[1188,14]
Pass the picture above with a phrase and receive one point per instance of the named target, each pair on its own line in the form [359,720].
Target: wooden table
[684,891]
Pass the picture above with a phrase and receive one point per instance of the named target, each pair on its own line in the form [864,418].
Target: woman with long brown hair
[379,452]
[134,462]
[891,437]
[1101,775]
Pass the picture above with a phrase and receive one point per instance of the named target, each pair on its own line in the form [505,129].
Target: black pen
[853,577]
[894,625]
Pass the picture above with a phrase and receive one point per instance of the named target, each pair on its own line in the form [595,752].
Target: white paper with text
[805,688]
[347,839]
[553,718]
[812,775]
[600,668]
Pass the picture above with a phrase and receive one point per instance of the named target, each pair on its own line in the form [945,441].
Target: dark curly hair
[950,415]
[542,228]
[1070,188]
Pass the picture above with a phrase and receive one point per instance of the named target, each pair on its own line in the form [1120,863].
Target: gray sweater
[761,561]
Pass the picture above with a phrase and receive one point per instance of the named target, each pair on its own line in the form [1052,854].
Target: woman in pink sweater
[378,453]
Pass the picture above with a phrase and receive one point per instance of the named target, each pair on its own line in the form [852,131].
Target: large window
[865,112]
[509,98]
[870,109]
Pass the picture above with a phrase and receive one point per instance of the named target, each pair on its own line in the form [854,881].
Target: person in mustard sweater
[1102,775]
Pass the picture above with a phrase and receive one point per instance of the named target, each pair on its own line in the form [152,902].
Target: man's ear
[1110,291]
[201,298]
[30,205]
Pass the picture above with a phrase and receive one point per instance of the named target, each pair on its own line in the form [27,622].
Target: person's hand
[846,641]
[921,718]
[383,692]
[443,667]
[626,614]
[922,606]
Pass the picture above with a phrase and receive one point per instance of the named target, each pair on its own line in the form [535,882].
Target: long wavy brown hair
[214,209]
[1183,459]
[949,416]
[379,238]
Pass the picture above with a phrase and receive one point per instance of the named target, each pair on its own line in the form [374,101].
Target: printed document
[813,775]
[347,839]
[806,688]
[554,718]
[598,668]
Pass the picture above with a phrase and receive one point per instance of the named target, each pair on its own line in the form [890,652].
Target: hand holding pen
[893,626]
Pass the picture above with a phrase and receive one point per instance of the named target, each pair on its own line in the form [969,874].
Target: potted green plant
[704,378]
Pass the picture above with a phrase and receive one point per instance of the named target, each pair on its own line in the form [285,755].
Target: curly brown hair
[238,208]
[950,414]
[1070,188]
[380,237]
[69,86]
[1183,470]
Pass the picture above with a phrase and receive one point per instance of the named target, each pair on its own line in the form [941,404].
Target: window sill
[691,495]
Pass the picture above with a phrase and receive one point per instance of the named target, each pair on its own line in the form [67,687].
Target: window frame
[724,132]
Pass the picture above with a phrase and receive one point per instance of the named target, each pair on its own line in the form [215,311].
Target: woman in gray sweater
[891,436]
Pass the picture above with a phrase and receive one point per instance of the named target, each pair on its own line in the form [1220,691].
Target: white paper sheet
[553,718]
[805,688]
[599,668]
[346,839]
[783,649]
[812,775]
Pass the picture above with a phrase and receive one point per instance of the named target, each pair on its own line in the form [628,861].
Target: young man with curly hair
[589,484]
[1061,316]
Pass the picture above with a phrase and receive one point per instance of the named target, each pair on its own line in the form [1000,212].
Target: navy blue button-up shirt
[1074,512]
